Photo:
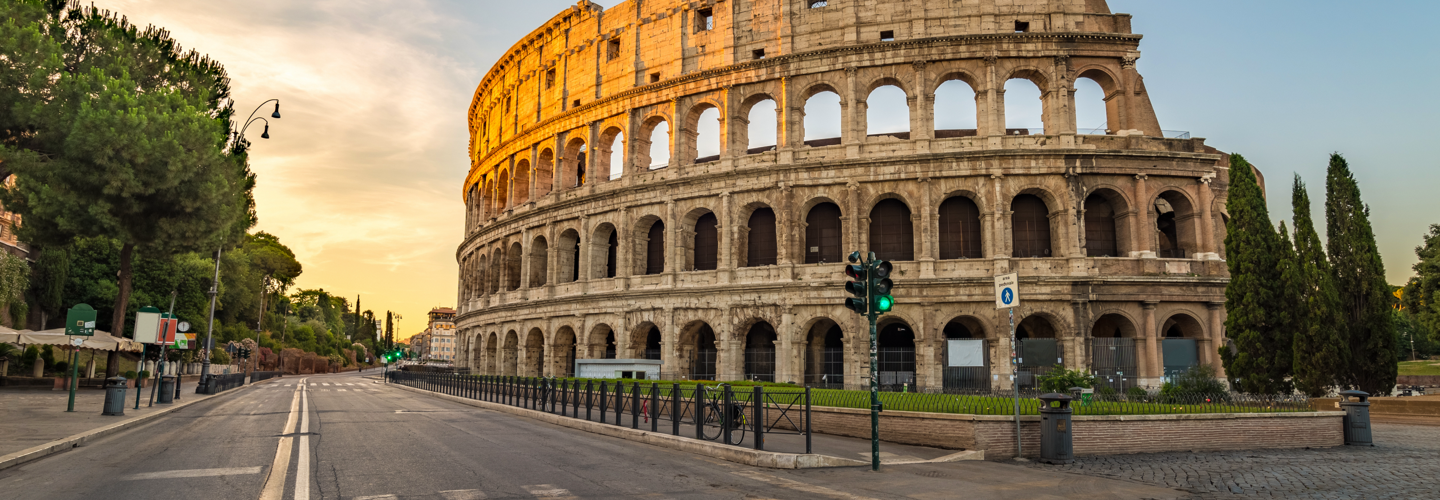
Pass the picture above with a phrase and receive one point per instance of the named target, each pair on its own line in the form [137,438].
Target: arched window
[512,267]
[617,156]
[1024,108]
[539,258]
[760,249]
[822,119]
[760,352]
[887,113]
[652,343]
[822,234]
[896,356]
[1175,222]
[959,229]
[660,145]
[568,260]
[892,237]
[702,367]
[1100,234]
[707,136]
[1030,227]
[761,132]
[612,246]
[707,243]
[522,182]
[1090,114]
[544,173]
[955,112]
[655,249]
[502,191]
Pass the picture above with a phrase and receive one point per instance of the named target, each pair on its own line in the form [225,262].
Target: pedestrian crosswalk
[325,386]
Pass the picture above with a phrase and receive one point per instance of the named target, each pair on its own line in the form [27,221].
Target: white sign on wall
[965,352]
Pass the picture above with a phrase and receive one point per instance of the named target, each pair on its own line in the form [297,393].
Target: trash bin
[114,396]
[1357,418]
[1056,444]
[167,390]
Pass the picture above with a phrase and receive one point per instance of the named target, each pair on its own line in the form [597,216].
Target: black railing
[258,376]
[719,413]
[221,383]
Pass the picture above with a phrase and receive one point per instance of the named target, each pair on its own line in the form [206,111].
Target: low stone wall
[1389,406]
[1094,435]
[1420,380]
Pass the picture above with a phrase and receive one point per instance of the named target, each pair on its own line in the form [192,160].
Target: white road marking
[302,469]
[798,486]
[176,474]
[274,488]
[547,491]
[327,384]
[340,390]
[377,497]
[462,495]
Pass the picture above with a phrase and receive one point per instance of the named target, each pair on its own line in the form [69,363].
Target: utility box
[1056,438]
[642,369]
[114,396]
[167,390]
[1357,417]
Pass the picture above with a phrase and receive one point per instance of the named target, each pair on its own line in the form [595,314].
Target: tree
[127,139]
[1421,293]
[1253,249]
[1320,347]
[1360,282]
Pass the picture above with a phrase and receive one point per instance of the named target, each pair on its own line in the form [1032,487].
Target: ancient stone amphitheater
[593,231]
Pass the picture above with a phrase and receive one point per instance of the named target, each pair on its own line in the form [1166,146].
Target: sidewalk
[35,417]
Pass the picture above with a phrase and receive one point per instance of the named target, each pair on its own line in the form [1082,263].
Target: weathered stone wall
[535,265]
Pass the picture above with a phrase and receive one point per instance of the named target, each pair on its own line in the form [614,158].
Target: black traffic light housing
[869,282]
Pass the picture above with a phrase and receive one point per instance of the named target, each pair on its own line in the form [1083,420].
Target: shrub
[1106,390]
[1199,379]
[129,375]
[1061,380]
[1138,392]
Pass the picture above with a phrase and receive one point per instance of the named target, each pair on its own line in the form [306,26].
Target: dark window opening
[959,229]
[702,367]
[761,248]
[575,261]
[1100,235]
[895,355]
[757,54]
[815,4]
[654,77]
[707,243]
[612,51]
[652,344]
[892,236]
[704,20]
[613,245]
[575,104]
[610,345]
[550,78]
[887,36]
[822,234]
[760,353]
[1022,27]
[1030,227]
[655,249]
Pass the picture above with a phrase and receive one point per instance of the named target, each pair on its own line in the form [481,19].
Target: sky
[362,175]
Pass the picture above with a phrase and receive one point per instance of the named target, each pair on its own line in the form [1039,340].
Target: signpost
[79,322]
[1007,296]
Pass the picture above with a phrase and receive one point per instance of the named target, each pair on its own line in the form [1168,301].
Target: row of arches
[888,106]
[826,353]
[1035,229]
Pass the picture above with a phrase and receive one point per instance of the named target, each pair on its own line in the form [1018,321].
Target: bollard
[697,413]
[114,396]
[1357,418]
[675,409]
[167,390]
[654,407]
[757,421]
[619,403]
[634,405]
[603,400]
[1056,443]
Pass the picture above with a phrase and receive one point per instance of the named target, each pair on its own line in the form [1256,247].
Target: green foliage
[1421,297]
[1137,392]
[1321,351]
[48,277]
[1411,338]
[1254,253]
[1061,380]
[219,357]
[1199,379]
[1364,296]
[129,375]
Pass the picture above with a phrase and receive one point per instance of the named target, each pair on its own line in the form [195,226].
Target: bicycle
[715,421]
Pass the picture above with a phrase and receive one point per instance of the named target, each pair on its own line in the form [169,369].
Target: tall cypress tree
[1286,316]
[1252,249]
[1360,282]
[1321,349]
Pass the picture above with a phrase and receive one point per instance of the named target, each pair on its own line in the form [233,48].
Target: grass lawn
[1426,367]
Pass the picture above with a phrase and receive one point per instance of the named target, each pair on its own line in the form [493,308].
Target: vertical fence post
[634,405]
[758,420]
[589,398]
[675,410]
[806,419]
[654,407]
[725,412]
[697,414]
[619,403]
[603,400]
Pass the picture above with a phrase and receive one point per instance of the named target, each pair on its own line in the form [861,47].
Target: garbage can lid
[1052,397]
[1362,395]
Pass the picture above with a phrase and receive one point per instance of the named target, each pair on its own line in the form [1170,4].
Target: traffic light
[856,286]
[870,284]
[883,300]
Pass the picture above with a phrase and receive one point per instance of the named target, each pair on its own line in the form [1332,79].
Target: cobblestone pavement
[1405,463]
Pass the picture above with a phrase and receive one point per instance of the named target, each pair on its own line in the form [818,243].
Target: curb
[77,440]
[745,456]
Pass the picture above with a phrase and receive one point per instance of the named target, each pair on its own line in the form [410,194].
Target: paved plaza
[1405,463]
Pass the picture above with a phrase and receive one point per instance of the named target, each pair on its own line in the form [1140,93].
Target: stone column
[850,113]
[1207,220]
[1152,346]
[1217,336]
[726,254]
[787,356]
[1140,226]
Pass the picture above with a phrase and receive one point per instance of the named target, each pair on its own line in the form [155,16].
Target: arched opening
[535,353]
[492,355]
[707,243]
[610,347]
[614,154]
[512,266]
[539,261]
[887,113]
[1029,227]
[762,131]
[502,191]
[564,352]
[892,235]
[707,136]
[659,142]
[603,247]
[568,258]
[544,172]
[1096,106]
[575,162]
[760,352]
[1024,108]
[955,112]
[522,182]
[760,247]
[959,229]
[822,119]
[655,248]
[823,234]
[1175,232]
[509,355]
[1039,350]
[967,356]
[1101,237]
[497,270]
[895,345]
[1112,352]
[1180,348]
[652,343]
[825,356]
[702,352]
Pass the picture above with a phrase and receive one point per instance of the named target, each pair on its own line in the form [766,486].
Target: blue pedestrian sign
[1007,291]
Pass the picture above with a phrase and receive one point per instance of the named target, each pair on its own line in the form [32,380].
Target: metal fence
[990,402]
[258,376]
[739,416]
[221,383]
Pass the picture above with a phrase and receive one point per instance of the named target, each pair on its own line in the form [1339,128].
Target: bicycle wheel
[710,424]
[737,430]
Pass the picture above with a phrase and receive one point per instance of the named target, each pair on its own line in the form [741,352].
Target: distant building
[9,222]
[439,336]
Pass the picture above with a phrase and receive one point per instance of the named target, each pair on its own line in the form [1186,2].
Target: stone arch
[692,142]
[522,182]
[896,342]
[604,245]
[746,135]
[1183,338]
[502,191]
[534,363]
[1042,88]
[815,133]
[698,351]
[1110,88]
[1183,324]
[567,257]
[699,240]
[492,354]
[1033,220]
[508,355]
[576,162]
[824,356]
[539,261]
[896,98]
[544,172]
[758,345]
[646,155]
[891,229]
[513,260]
[960,227]
[648,235]
[824,231]
[645,341]
[1177,224]
[948,92]
[606,154]
[497,269]
[601,342]
[564,349]
[759,236]
[1115,355]
[1106,219]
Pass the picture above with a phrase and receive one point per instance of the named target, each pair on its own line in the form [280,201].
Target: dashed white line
[547,491]
[176,474]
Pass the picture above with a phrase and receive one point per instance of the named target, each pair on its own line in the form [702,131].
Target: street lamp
[265,134]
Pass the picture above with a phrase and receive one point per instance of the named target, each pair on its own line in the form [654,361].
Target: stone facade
[1115,233]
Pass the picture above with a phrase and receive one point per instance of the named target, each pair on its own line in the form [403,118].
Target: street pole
[74,372]
[160,366]
[1015,383]
[871,313]
[210,329]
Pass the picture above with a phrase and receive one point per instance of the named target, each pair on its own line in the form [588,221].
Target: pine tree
[1252,249]
[1360,283]
[1421,297]
[1286,315]
[1320,346]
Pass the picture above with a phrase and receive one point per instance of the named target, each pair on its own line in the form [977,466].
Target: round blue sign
[1007,296]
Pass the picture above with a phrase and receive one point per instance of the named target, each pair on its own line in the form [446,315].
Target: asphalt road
[348,437]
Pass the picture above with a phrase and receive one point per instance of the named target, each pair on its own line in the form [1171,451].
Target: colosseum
[630,195]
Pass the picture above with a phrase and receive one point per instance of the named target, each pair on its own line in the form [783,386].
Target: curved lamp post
[252,119]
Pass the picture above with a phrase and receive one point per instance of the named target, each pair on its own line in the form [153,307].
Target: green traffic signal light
[883,303]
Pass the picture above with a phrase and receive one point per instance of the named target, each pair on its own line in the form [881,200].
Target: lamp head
[276,114]
[266,133]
